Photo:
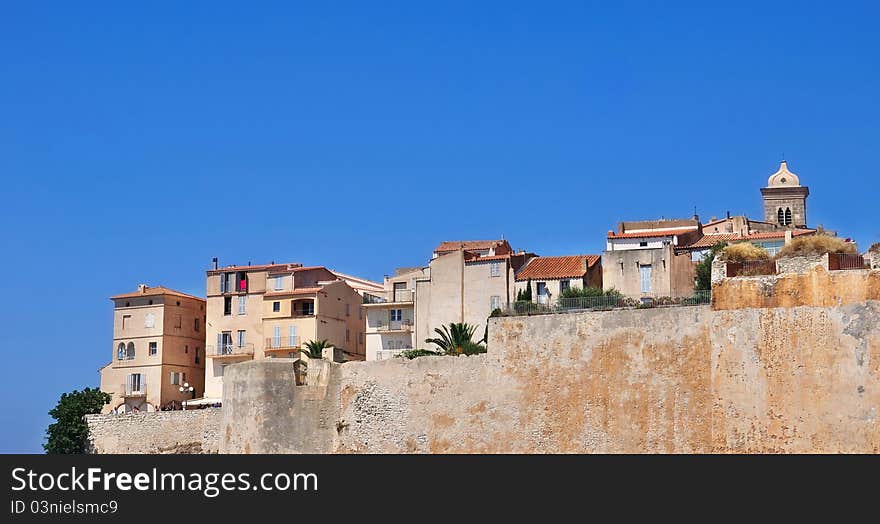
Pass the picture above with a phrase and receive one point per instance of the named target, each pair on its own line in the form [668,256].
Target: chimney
[142,288]
[216,261]
[787,236]
[728,215]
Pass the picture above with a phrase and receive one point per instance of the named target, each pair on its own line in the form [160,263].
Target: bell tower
[785,199]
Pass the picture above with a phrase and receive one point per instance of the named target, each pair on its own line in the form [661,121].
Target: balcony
[282,344]
[398,296]
[405,325]
[230,351]
[134,390]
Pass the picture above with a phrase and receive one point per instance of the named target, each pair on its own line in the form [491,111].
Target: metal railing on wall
[562,305]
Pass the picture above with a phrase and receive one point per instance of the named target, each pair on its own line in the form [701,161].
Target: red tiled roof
[557,267]
[476,257]
[155,291]
[711,240]
[455,245]
[652,234]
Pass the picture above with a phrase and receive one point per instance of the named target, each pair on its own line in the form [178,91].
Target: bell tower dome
[785,199]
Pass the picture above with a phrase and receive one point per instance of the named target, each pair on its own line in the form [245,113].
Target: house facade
[390,315]
[549,277]
[271,311]
[464,282]
[645,259]
[158,346]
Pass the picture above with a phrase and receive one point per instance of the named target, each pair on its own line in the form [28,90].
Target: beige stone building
[270,311]
[645,259]
[464,282]
[549,277]
[390,315]
[785,199]
[158,345]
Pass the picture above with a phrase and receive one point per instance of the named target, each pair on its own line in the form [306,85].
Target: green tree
[315,348]
[457,339]
[69,433]
[704,268]
[525,295]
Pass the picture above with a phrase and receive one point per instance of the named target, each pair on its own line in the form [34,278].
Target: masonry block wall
[192,431]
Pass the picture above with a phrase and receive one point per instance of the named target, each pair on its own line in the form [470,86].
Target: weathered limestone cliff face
[680,379]
[789,363]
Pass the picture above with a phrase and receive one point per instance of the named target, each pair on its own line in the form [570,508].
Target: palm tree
[457,339]
[315,348]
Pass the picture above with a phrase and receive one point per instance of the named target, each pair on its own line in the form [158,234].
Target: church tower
[785,199]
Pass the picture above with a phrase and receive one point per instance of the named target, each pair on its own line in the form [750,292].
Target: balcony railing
[229,350]
[839,261]
[134,389]
[385,354]
[563,305]
[398,295]
[395,325]
[283,343]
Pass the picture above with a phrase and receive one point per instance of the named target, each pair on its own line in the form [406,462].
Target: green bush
[415,353]
[704,267]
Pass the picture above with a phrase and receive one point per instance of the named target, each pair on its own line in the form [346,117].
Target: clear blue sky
[140,139]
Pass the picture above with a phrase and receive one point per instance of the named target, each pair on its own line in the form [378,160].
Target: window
[542,288]
[780,216]
[643,243]
[563,285]
[186,348]
[396,315]
[224,343]
[276,307]
[788,216]
[175,379]
[154,348]
[276,337]
[126,321]
[347,334]
[360,337]
[196,353]
[196,324]
[242,281]
[308,308]
[135,383]
[178,322]
[279,280]
[348,310]
[227,305]
[240,338]
[494,302]
[242,302]
[129,351]
[292,333]
[120,351]
[150,321]
[645,274]
[226,282]
[495,269]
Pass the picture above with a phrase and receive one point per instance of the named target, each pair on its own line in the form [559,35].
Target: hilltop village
[170,350]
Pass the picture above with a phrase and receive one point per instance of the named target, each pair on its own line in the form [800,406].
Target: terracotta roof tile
[711,240]
[652,234]
[155,291]
[572,266]
[455,245]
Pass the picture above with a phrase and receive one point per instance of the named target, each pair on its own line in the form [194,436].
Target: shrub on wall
[704,268]
[745,251]
[816,245]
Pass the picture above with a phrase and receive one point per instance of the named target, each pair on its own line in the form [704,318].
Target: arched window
[788,216]
[129,351]
[780,217]
[120,351]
